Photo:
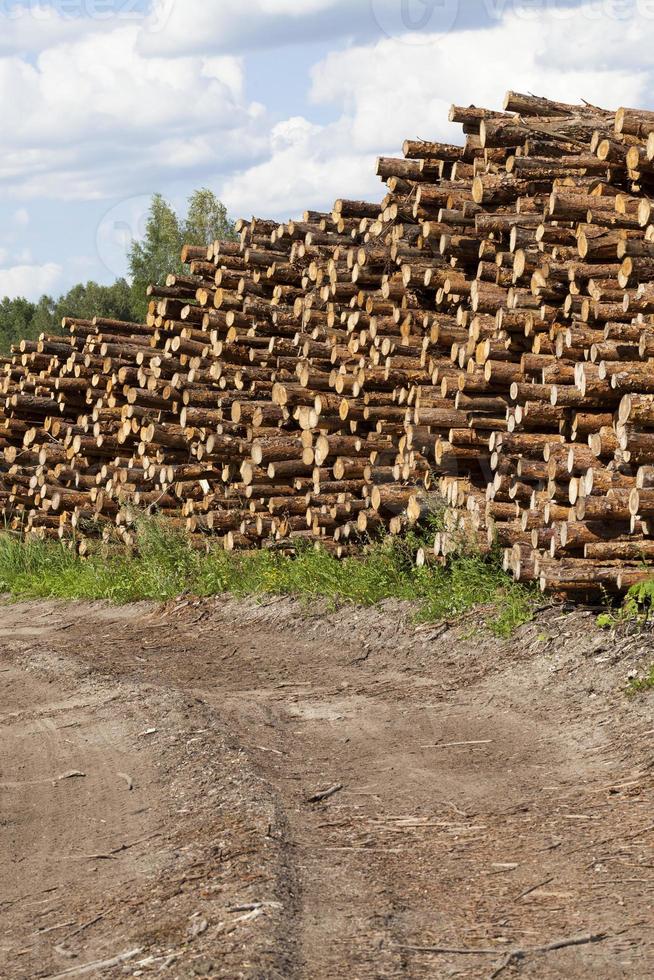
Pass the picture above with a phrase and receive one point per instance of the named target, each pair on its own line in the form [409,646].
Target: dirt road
[159,775]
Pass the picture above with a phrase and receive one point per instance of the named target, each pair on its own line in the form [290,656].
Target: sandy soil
[159,769]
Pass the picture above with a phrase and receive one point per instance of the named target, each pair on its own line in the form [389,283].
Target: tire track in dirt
[495,794]
[127,824]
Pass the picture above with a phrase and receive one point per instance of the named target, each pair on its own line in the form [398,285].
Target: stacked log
[480,341]
[227,412]
[570,339]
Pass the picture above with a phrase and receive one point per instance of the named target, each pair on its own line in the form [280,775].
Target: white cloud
[94,117]
[147,119]
[31,281]
[181,27]
[383,87]
[193,26]
[21,217]
[309,166]
[111,107]
[119,87]
[30,27]
[392,90]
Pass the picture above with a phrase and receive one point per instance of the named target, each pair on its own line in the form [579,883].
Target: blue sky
[277,105]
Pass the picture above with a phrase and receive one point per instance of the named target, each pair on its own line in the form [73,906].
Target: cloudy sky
[277,105]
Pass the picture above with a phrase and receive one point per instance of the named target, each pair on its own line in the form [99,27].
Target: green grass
[637,608]
[642,684]
[635,614]
[164,566]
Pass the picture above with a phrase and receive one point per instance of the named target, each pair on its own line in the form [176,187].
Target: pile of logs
[480,344]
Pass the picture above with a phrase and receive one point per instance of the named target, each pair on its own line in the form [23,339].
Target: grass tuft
[637,608]
[640,685]
[164,565]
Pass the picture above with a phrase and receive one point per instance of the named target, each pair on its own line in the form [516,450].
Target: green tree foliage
[22,320]
[206,219]
[150,261]
[16,317]
[90,299]
[158,253]
[45,317]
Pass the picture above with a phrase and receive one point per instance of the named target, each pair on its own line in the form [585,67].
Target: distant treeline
[150,261]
